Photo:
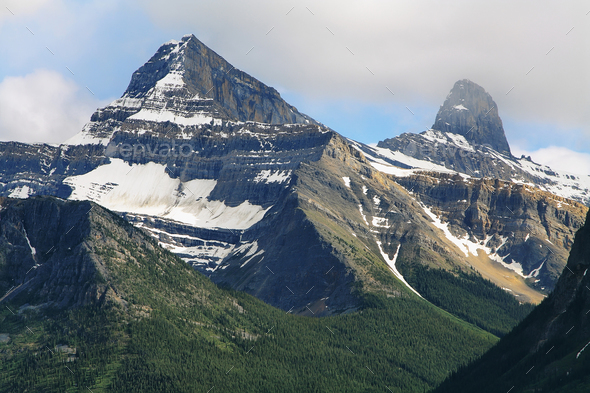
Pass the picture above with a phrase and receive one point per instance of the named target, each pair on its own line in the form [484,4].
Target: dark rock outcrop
[45,252]
[470,111]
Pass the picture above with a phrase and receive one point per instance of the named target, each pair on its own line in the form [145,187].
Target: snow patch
[163,115]
[469,247]
[463,244]
[171,80]
[252,257]
[268,176]
[346,181]
[514,266]
[582,350]
[33,250]
[460,141]
[380,222]
[362,214]
[391,264]
[250,254]
[434,136]
[379,156]
[207,254]
[460,107]
[22,192]
[535,272]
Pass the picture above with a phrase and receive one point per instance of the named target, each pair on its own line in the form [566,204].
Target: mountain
[521,214]
[187,84]
[468,137]
[416,269]
[469,111]
[263,199]
[90,302]
[548,351]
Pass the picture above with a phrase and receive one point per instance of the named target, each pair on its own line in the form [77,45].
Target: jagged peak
[470,111]
[187,83]
[188,68]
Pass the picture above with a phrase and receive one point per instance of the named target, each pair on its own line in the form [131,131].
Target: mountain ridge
[211,188]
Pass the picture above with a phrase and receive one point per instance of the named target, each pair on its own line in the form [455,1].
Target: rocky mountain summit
[470,111]
[187,85]
[468,137]
[188,67]
[261,198]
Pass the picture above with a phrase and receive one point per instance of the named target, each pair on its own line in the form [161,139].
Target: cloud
[96,43]
[17,8]
[559,158]
[43,107]
[417,49]
[333,55]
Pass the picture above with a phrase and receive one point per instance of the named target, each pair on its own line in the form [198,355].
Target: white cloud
[43,107]
[18,8]
[416,48]
[559,158]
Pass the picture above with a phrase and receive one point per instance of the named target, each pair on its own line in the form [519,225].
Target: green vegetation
[469,297]
[159,326]
[404,344]
[175,331]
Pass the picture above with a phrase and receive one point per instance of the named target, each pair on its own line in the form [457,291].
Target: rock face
[41,169]
[548,351]
[47,251]
[470,111]
[527,230]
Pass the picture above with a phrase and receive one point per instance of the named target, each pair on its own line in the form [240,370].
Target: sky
[370,70]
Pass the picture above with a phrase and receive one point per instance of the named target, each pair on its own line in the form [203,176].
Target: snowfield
[148,189]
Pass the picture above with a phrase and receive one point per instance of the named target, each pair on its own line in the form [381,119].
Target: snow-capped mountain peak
[187,84]
[468,138]
[471,112]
